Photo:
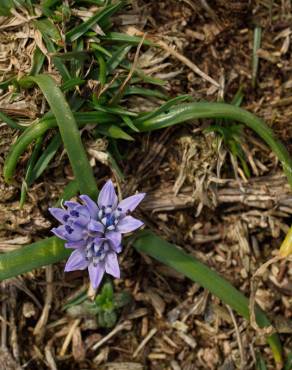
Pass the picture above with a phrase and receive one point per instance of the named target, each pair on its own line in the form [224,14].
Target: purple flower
[95,231]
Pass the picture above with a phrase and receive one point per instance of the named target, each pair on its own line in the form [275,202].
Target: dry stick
[49,356]
[13,327]
[181,58]
[240,346]
[107,86]
[145,341]
[39,329]
[69,337]
[117,97]
[188,63]
[126,325]
[4,318]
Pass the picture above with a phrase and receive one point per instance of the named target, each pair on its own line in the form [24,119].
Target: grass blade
[37,62]
[163,108]
[288,364]
[113,131]
[70,84]
[102,69]
[10,122]
[28,177]
[117,57]
[260,362]
[69,133]
[133,90]
[128,121]
[257,36]
[80,30]
[45,158]
[124,38]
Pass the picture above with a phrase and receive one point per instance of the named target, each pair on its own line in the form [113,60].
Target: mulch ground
[198,197]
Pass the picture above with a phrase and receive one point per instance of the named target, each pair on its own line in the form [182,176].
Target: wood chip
[144,342]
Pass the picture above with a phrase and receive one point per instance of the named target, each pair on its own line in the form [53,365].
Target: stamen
[74,213]
[66,218]
[111,227]
[117,213]
[95,261]
[108,210]
[69,229]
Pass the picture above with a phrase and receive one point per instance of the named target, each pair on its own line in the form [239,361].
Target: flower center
[108,217]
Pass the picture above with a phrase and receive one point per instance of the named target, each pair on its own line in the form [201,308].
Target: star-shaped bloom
[95,231]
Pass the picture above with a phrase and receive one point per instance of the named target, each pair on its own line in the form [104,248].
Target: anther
[69,229]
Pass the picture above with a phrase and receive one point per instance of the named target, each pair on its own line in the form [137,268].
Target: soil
[198,197]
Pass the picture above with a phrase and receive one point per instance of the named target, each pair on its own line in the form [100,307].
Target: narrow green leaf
[45,158]
[69,133]
[71,84]
[102,68]
[80,30]
[102,50]
[257,36]
[288,364]
[238,98]
[32,256]
[115,167]
[184,112]
[46,27]
[122,37]
[28,180]
[71,55]
[117,57]
[4,84]
[163,108]
[260,362]
[113,110]
[37,62]
[10,122]
[133,90]
[129,123]
[113,131]
[52,49]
